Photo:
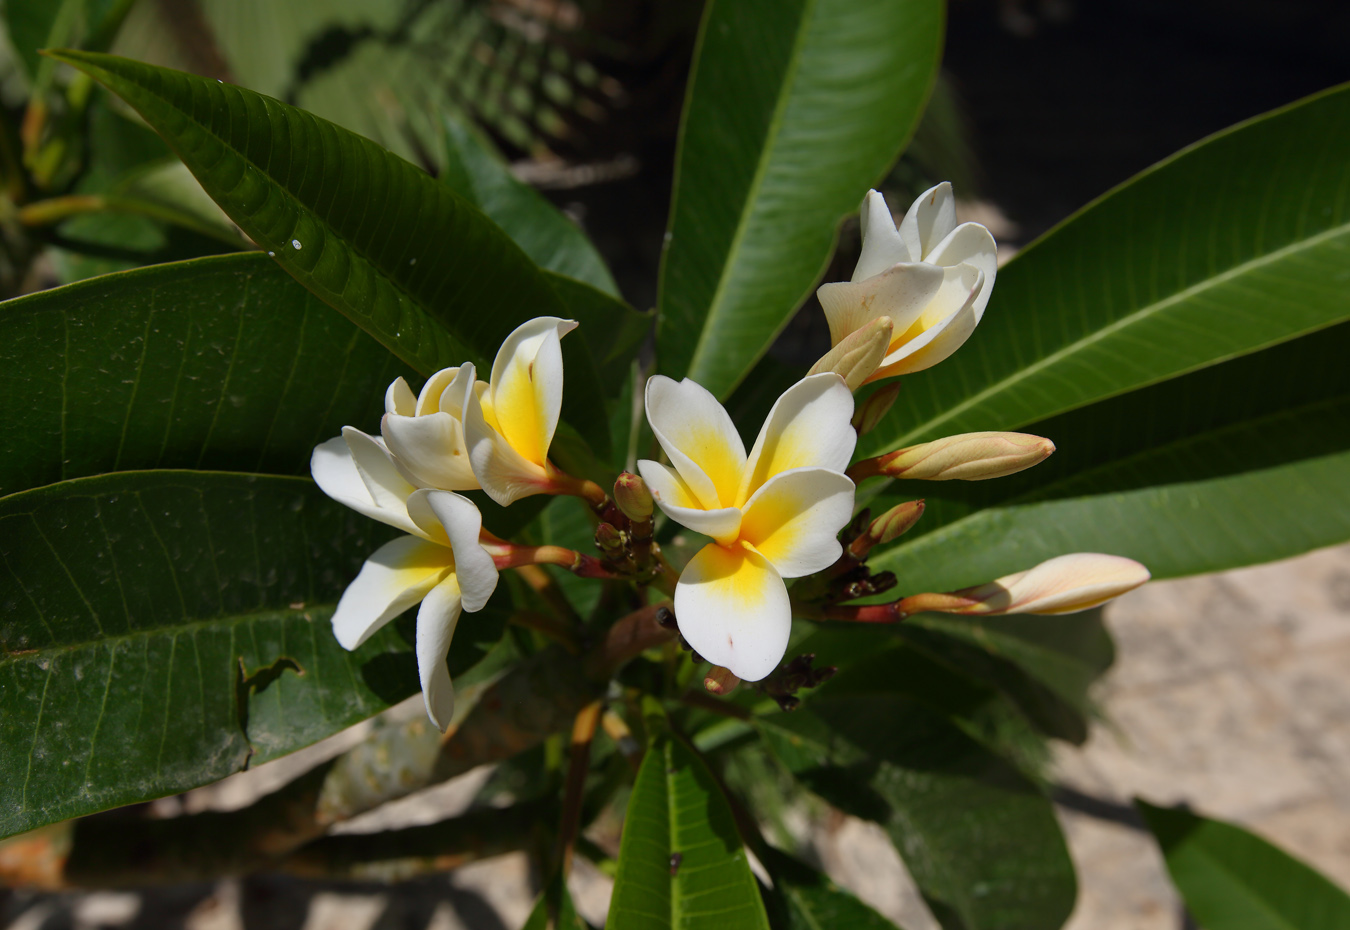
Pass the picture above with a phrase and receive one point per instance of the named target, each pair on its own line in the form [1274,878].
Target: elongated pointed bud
[968,457]
[871,411]
[1061,585]
[887,527]
[720,681]
[858,354]
[633,498]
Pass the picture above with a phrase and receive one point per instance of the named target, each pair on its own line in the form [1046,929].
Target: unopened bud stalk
[857,355]
[887,527]
[1061,585]
[871,411]
[967,457]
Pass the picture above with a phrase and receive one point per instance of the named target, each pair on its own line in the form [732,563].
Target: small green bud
[633,498]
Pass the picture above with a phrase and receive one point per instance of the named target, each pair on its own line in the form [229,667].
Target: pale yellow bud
[968,457]
[633,498]
[1061,585]
[858,354]
[875,407]
[886,528]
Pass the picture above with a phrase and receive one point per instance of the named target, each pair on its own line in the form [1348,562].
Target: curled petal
[795,519]
[395,577]
[429,400]
[430,450]
[936,336]
[527,386]
[928,221]
[400,399]
[900,292]
[473,566]
[809,426]
[436,622]
[971,244]
[501,471]
[882,246]
[674,497]
[698,435]
[334,467]
[733,608]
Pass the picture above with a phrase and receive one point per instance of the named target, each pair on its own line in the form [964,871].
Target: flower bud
[1061,585]
[871,411]
[887,527]
[608,539]
[720,681]
[858,354]
[633,498]
[968,456]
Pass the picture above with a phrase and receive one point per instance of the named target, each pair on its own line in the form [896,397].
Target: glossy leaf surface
[161,630]
[794,108]
[1227,247]
[1179,476]
[221,363]
[1233,880]
[681,863]
[409,261]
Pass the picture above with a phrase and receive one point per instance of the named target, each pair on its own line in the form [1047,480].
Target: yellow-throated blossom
[773,514]
[931,277]
[509,422]
[441,564]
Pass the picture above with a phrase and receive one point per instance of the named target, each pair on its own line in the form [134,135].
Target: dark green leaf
[412,263]
[795,107]
[1181,476]
[161,630]
[681,863]
[807,900]
[1232,880]
[554,909]
[980,840]
[1229,246]
[221,363]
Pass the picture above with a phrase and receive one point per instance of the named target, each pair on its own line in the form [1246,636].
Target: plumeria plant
[416,441]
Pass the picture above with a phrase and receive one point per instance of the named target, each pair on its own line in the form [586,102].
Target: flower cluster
[773,514]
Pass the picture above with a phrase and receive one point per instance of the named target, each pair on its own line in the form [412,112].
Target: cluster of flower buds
[799,673]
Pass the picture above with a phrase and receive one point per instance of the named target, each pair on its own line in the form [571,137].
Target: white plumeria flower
[509,422]
[426,433]
[773,514]
[441,564]
[930,276]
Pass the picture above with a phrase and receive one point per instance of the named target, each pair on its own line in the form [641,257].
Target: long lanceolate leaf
[161,630]
[1230,246]
[422,270]
[1239,463]
[221,363]
[794,108]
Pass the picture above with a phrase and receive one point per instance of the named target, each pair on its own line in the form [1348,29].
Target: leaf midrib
[715,305]
[1115,326]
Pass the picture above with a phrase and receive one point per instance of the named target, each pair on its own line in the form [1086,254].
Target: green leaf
[220,363]
[980,840]
[1179,476]
[409,261]
[1234,244]
[554,909]
[808,900]
[681,863]
[161,630]
[795,107]
[1233,880]
[476,172]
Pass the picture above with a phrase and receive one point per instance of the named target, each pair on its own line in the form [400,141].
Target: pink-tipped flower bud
[1061,585]
[720,681]
[871,411]
[608,539]
[858,354]
[633,498]
[967,457]
[886,528]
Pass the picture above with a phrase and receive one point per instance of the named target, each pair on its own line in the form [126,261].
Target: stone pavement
[1231,693]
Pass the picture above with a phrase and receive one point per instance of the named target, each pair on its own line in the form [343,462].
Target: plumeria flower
[773,514]
[931,277]
[509,422]
[441,564]
[426,433]
[1062,585]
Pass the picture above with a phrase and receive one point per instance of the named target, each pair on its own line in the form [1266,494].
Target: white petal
[473,566]
[941,340]
[430,450]
[527,385]
[436,622]
[882,246]
[675,498]
[400,399]
[430,398]
[900,292]
[972,244]
[930,218]
[807,427]
[795,519]
[456,394]
[335,472]
[1070,583]
[395,577]
[699,437]
[733,609]
[501,471]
